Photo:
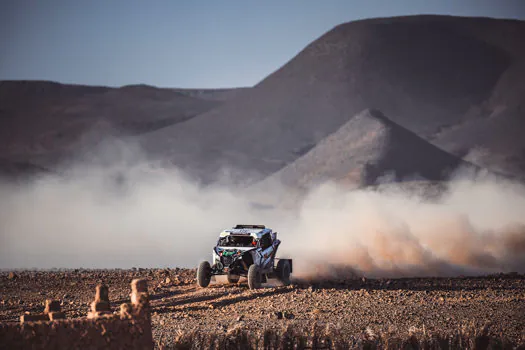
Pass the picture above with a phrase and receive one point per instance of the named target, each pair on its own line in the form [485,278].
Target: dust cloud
[130,213]
[476,227]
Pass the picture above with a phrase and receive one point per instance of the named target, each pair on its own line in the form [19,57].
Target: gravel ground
[395,306]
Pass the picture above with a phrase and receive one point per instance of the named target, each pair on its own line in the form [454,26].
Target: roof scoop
[262,227]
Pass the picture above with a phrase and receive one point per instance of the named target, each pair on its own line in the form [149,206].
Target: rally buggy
[249,251]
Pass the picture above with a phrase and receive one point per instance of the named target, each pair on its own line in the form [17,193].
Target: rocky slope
[456,82]
[429,74]
[43,122]
[366,150]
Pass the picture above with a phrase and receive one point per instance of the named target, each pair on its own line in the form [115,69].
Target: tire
[204,274]
[233,278]
[254,277]
[283,272]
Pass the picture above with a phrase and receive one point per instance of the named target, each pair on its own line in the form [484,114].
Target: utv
[249,251]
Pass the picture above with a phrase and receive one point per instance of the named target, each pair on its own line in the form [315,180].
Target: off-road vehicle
[249,251]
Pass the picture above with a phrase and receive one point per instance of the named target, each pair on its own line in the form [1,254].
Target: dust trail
[478,226]
[127,213]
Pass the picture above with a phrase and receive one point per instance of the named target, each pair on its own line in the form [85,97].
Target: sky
[186,44]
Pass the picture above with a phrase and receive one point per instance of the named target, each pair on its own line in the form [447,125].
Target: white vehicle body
[239,248]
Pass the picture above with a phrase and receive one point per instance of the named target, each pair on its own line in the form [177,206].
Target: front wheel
[204,274]
[254,277]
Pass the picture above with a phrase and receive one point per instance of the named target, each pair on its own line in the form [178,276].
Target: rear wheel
[233,278]
[254,277]
[283,271]
[204,274]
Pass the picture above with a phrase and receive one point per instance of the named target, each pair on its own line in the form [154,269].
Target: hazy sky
[177,43]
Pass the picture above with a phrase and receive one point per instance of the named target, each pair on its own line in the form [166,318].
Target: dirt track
[394,306]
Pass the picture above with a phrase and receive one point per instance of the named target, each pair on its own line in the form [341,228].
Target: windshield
[236,241]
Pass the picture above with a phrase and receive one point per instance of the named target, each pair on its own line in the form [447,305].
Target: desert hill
[429,74]
[42,122]
[495,141]
[368,149]
[456,82]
